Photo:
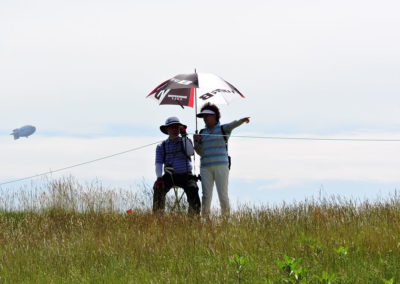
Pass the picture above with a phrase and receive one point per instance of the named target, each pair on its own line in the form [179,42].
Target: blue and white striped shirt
[211,144]
[174,156]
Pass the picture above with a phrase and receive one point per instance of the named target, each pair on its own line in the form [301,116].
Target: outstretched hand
[245,119]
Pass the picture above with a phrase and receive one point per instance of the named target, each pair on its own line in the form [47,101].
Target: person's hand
[195,137]
[183,132]
[245,119]
[159,183]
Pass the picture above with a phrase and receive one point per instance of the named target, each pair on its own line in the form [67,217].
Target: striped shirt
[173,156]
[212,148]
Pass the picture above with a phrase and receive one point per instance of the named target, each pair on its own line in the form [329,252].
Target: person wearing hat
[212,147]
[174,155]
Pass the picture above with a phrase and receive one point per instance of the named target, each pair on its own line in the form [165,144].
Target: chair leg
[177,199]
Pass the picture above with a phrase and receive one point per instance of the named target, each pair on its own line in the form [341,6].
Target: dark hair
[212,107]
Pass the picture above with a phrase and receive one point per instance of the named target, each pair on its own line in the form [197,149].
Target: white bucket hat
[170,121]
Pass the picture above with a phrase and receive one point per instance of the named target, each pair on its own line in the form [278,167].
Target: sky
[79,71]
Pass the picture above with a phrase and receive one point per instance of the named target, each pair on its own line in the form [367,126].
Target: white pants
[219,175]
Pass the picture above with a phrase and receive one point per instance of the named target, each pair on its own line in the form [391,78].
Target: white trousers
[219,175]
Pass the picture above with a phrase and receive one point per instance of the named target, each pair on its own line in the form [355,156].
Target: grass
[72,233]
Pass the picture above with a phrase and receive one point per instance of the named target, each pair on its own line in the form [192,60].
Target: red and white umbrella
[185,89]
[188,89]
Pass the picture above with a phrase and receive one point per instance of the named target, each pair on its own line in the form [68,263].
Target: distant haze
[80,71]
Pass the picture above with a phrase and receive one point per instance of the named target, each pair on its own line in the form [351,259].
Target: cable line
[80,164]
[235,136]
[306,138]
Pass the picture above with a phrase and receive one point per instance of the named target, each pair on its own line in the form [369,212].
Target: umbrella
[180,90]
[186,89]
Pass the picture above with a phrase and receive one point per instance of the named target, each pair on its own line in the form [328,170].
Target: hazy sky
[80,70]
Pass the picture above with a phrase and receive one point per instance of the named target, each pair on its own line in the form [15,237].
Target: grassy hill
[324,241]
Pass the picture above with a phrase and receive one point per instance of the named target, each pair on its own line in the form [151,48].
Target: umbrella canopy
[180,90]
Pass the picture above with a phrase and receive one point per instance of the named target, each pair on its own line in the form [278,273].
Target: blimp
[24,131]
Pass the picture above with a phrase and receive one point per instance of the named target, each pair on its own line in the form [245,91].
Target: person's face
[173,130]
[210,120]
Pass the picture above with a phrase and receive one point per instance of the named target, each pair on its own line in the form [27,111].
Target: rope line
[235,136]
[80,164]
[306,138]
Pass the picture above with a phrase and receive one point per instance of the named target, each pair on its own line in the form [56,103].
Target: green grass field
[65,238]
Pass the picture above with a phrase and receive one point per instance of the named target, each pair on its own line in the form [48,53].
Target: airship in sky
[24,131]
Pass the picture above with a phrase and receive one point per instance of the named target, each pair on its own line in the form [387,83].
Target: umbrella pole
[195,100]
[195,107]
[195,117]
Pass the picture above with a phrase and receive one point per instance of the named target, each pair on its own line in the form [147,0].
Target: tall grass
[73,233]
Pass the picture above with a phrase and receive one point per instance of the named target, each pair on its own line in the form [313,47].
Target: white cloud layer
[286,162]
[290,162]
[36,155]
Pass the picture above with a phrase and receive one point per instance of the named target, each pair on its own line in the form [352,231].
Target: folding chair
[178,199]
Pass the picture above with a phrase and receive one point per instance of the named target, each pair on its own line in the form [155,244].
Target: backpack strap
[225,138]
[165,152]
[226,145]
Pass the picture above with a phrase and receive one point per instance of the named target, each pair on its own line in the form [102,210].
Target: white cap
[206,111]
